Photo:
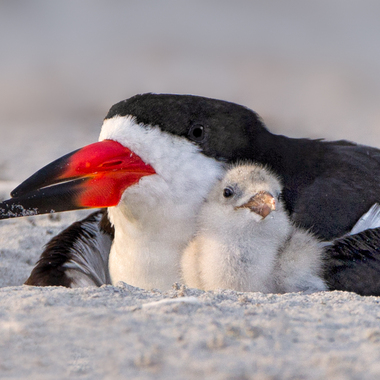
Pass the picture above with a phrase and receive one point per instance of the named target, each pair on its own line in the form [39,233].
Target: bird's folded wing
[78,256]
[352,263]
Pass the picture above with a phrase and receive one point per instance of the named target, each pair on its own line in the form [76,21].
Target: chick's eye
[228,192]
[196,132]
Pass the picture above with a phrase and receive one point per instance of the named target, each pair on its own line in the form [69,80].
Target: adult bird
[158,156]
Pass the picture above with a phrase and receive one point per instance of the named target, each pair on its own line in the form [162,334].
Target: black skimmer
[245,240]
[157,158]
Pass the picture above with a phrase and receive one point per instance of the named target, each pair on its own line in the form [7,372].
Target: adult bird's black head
[222,130]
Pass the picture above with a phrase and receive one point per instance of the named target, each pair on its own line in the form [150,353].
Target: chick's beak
[262,203]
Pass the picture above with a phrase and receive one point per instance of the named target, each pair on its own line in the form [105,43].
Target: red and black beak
[91,177]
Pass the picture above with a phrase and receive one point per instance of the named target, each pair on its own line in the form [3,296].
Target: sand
[118,332]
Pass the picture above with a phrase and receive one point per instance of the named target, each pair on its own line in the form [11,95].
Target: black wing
[78,256]
[353,263]
[340,182]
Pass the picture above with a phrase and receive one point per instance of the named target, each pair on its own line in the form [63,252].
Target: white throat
[155,218]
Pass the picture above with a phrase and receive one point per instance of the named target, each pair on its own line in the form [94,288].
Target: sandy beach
[118,332]
[309,71]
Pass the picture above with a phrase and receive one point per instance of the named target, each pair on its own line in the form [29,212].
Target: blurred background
[309,68]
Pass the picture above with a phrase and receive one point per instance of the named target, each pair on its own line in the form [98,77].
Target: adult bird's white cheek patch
[175,159]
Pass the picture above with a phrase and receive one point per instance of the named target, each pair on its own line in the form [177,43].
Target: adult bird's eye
[196,132]
[228,192]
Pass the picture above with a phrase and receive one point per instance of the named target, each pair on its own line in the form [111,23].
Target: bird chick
[245,240]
